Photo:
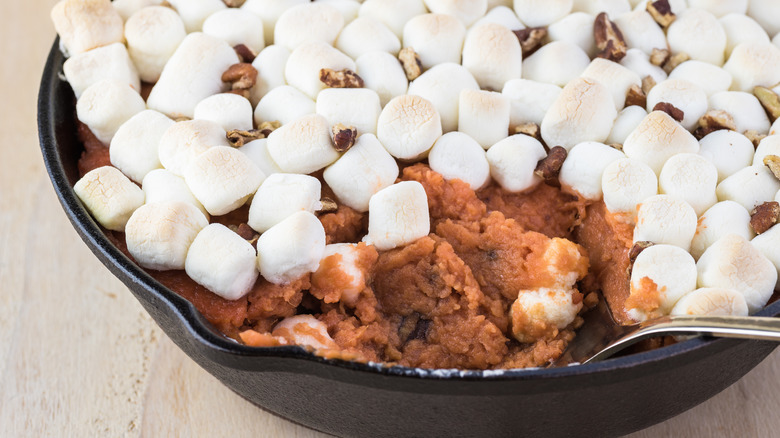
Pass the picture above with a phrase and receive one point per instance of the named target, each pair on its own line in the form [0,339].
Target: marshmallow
[398,215]
[493,55]
[529,100]
[639,62]
[775,128]
[229,110]
[153,34]
[723,218]
[660,276]
[222,179]
[307,23]
[584,111]
[394,13]
[280,196]
[500,14]
[303,146]
[347,8]
[236,26]
[284,104]
[742,29]
[257,151]
[768,146]
[692,178]
[358,107]
[750,187]
[484,115]
[665,219]
[269,12]
[455,155]
[577,29]
[366,34]
[625,123]
[776,40]
[711,301]
[134,148]
[613,8]
[340,270]
[382,73]
[467,11]
[362,171]
[183,141]
[86,24]
[107,62]
[733,263]
[160,185]
[616,78]
[127,8]
[436,38]
[109,196]
[744,107]
[442,85]
[657,139]
[298,330]
[699,34]
[550,309]
[710,78]
[193,73]
[729,151]
[684,95]
[768,243]
[302,70]
[754,64]
[291,248]
[535,13]
[556,63]
[719,8]
[584,167]
[194,12]
[513,161]
[270,64]
[640,31]
[625,183]
[408,126]
[106,105]
[767,13]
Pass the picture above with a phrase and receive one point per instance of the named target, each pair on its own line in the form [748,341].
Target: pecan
[340,79]
[609,39]
[617,146]
[647,84]
[411,63]
[241,76]
[674,61]
[668,108]
[754,136]
[245,54]
[238,137]
[529,129]
[328,205]
[769,100]
[658,57]
[661,12]
[634,252]
[549,167]
[636,96]
[765,216]
[268,127]
[343,137]
[234,3]
[712,121]
[773,163]
[531,39]
[591,300]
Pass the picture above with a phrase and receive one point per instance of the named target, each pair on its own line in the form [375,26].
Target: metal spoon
[601,337]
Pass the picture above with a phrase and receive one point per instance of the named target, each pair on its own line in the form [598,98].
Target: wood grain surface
[78,355]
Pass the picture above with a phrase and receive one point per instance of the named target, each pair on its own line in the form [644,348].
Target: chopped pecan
[241,76]
[549,167]
[411,63]
[647,84]
[268,127]
[674,61]
[531,39]
[529,129]
[328,205]
[755,137]
[617,146]
[609,39]
[245,54]
[712,121]
[340,79]
[769,100]
[234,3]
[343,137]
[636,96]
[238,137]
[765,216]
[634,252]
[591,300]
[668,108]
[773,163]
[659,57]
[661,12]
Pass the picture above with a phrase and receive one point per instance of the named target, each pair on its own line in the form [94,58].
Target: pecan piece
[344,137]
[712,121]
[549,167]
[661,12]
[245,54]
[634,252]
[773,163]
[659,57]
[769,100]
[238,137]
[647,84]
[241,76]
[529,129]
[328,205]
[755,137]
[531,39]
[268,127]
[411,63]
[674,61]
[340,79]
[765,216]
[636,96]
[668,108]
[609,39]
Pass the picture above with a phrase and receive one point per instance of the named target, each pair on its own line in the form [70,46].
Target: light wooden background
[78,355]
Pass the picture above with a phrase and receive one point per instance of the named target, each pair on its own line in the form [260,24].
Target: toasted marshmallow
[556,63]
[529,100]
[699,34]
[398,215]
[222,179]
[500,14]
[616,78]
[613,8]
[183,141]
[640,31]
[109,196]
[710,78]
[193,73]
[302,70]
[308,23]
[750,187]
[484,115]
[442,85]
[280,196]
[534,13]
[408,126]
[661,275]
[584,111]
[767,243]
[269,11]
[358,107]
[284,104]
[298,330]
[222,262]
[455,155]
[134,148]
[719,8]
[723,218]
[236,26]
[768,146]
[742,29]
[340,270]
[257,151]
[684,95]
[270,64]
[625,123]
[575,28]
[754,64]
[665,219]
[364,35]
[584,167]
[303,146]
[692,178]
[160,185]
[513,161]
[382,73]
[194,12]
[711,301]
[153,34]
[767,13]
[733,263]
[106,105]
[229,110]
[744,107]
[467,11]
[729,151]
[394,13]
[291,248]
[86,24]
[657,139]
[436,38]
[625,183]
[639,62]
[492,53]
[362,171]
[107,62]
[549,309]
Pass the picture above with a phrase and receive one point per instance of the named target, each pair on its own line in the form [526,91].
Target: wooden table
[80,357]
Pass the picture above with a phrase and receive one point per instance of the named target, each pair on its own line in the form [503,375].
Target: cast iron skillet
[611,398]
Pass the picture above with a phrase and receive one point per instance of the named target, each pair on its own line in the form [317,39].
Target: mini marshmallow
[342,272]
[160,185]
[577,29]
[193,73]
[86,24]
[107,62]
[492,53]
[710,78]
[750,187]
[362,171]
[625,123]
[665,219]
[366,34]
[127,8]
[194,12]
[640,31]
[500,14]
[584,111]
[549,309]
[436,38]
[408,126]
[754,64]
[744,107]
[280,196]
[513,161]
[684,95]
[692,178]
[398,215]
[394,13]
[733,263]
[284,104]
[382,73]
[257,151]
[625,183]
[719,8]
[269,11]
[767,243]
[723,218]
[699,34]
[661,275]
[222,179]
[183,141]
[535,13]
[484,115]
[298,330]
[768,146]
[302,70]
[358,107]
[109,196]
[308,23]
[657,139]
[347,8]
[236,26]
[767,13]
[106,105]
[467,11]
[270,64]
[711,301]
[639,62]
[616,78]
[729,151]
[303,146]
[291,248]
[442,85]
[775,128]
[222,261]
[556,63]
[584,167]
[529,100]
[134,148]
[742,29]
[455,155]
[153,34]
[229,110]
[613,8]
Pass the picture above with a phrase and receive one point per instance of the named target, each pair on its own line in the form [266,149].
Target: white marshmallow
[161,185]
[753,64]
[768,243]
[775,128]
[657,139]
[616,78]
[269,11]
[639,62]
[153,34]
[534,13]
[640,31]
[577,29]
[513,161]
[584,167]
[436,38]
[492,53]
[455,155]
[106,105]
[358,107]
[257,151]
[284,104]
[366,34]
[127,8]
[710,78]
[723,218]
[398,215]
[222,262]
[109,196]
[291,248]
[733,263]
[382,73]
[776,39]
[768,146]
[467,11]
[86,24]
[307,23]
[500,14]
[280,196]
[183,141]
[547,307]
[107,62]
[744,107]
[625,123]
[302,70]
[529,100]
[767,13]
[441,85]
[719,8]
[556,63]
[729,151]
[194,12]
[394,13]
[484,115]
[236,26]
[613,8]
[270,64]
[671,272]
[699,34]
[229,110]
[665,219]
[692,178]
[347,8]
[408,126]
[351,282]
[711,301]
[750,187]
[625,183]
[303,146]
[362,171]
[134,148]
[742,29]
[298,329]
[684,95]
[222,179]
